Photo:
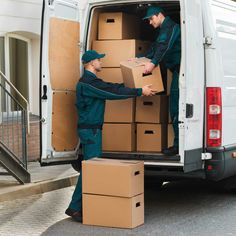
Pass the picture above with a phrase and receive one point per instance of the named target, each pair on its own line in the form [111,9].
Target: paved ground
[180,208]
[43,179]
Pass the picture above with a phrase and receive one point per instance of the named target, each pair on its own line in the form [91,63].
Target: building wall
[20,15]
[23,18]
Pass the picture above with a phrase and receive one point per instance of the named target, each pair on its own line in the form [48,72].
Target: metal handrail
[22,97]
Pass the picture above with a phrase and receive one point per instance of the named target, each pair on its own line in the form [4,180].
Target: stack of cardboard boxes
[113,193]
[119,43]
[130,123]
[151,118]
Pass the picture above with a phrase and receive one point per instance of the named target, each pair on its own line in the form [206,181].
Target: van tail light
[214,117]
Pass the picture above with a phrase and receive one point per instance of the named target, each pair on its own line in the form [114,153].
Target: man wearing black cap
[166,49]
[91,93]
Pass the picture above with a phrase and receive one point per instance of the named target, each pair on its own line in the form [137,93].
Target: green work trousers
[91,140]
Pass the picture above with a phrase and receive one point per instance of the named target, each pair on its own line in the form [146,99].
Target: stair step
[8,162]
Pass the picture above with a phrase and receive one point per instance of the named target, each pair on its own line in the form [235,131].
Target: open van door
[192,89]
[59,73]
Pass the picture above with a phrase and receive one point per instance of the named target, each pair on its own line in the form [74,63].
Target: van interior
[172,9]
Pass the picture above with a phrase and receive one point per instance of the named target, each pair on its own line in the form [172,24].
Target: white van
[207,83]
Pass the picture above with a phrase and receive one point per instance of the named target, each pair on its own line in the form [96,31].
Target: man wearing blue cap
[91,93]
[166,49]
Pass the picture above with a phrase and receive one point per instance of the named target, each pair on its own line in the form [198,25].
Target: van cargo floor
[141,156]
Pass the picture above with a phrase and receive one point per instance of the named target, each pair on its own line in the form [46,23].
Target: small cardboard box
[134,77]
[112,211]
[120,111]
[118,25]
[118,137]
[119,50]
[112,75]
[121,178]
[151,137]
[152,109]
[170,135]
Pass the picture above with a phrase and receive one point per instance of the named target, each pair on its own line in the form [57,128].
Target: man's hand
[148,67]
[147,91]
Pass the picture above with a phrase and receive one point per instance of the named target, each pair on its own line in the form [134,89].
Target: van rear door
[59,73]
[192,83]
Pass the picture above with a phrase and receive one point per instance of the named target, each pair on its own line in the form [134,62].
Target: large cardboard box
[113,211]
[119,50]
[118,137]
[152,109]
[121,178]
[133,76]
[118,25]
[112,75]
[120,111]
[151,137]
[170,135]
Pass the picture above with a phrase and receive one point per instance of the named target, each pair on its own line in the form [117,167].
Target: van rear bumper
[222,165]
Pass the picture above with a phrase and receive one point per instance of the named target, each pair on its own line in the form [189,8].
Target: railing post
[24,138]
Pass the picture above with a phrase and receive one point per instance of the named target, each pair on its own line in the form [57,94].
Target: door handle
[45,97]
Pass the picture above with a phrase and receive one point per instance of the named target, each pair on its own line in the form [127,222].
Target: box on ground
[113,211]
[120,111]
[112,75]
[121,178]
[170,135]
[151,137]
[152,109]
[118,137]
[118,25]
[133,76]
[119,50]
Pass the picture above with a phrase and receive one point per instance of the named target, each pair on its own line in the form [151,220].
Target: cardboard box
[152,109]
[113,211]
[121,178]
[117,25]
[151,137]
[118,137]
[120,111]
[134,77]
[112,75]
[170,135]
[119,50]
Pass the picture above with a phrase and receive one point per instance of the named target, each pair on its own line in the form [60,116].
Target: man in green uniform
[91,93]
[167,50]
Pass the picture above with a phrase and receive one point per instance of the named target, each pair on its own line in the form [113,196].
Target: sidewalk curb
[38,188]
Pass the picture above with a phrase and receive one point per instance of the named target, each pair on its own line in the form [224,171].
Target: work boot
[76,215]
[171,151]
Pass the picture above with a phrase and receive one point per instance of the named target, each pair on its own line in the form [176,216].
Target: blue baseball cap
[152,10]
[91,55]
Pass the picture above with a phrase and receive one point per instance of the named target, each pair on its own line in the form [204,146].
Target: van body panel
[225,21]
[220,25]
[59,74]
[192,84]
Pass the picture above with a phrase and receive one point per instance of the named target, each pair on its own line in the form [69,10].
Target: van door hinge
[207,41]
[206,156]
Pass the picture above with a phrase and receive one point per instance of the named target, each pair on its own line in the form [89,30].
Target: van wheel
[77,163]
[153,183]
